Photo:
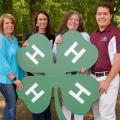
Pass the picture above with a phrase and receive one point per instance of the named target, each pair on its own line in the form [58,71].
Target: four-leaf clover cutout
[78,91]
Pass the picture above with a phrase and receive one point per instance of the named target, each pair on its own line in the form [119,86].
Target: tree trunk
[1,7]
[7,6]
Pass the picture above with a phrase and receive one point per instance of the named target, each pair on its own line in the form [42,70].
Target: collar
[107,29]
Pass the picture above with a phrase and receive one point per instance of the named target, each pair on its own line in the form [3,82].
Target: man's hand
[104,85]
[19,84]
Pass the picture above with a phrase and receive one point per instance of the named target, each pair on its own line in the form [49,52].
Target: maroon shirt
[101,41]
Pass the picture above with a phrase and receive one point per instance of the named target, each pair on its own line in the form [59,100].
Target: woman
[72,20]
[41,24]
[10,72]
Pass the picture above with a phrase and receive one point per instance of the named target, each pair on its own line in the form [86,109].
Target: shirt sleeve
[54,48]
[55,45]
[5,67]
[86,36]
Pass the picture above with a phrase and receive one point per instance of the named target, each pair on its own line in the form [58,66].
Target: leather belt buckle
[100,74]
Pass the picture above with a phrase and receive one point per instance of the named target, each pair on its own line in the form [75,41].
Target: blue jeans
[46,115]
[9,93]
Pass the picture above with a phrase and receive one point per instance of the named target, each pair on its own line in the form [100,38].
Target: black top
[50,37]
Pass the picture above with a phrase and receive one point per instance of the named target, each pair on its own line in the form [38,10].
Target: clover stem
[57,105]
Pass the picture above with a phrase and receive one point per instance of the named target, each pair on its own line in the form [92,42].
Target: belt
[100,74]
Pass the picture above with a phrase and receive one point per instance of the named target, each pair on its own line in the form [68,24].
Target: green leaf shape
[85,81]
[86,60]
[40,85]
[49,75]
[42,43]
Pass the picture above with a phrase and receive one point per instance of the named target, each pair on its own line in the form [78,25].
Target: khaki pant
[67,114]
[104,108]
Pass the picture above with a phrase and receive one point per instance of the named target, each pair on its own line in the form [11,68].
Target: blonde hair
[9,16]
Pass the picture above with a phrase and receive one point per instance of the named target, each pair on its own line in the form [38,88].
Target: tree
[24,11]
[7,6]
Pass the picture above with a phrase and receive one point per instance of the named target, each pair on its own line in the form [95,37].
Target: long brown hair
[9,16]
[48,28]
[63,26]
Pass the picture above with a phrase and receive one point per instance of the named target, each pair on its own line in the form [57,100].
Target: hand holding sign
[74,53]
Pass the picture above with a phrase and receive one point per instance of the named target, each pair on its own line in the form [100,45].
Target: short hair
[9,16]
[106,5]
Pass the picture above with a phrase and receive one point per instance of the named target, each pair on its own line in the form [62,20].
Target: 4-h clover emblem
[78,91]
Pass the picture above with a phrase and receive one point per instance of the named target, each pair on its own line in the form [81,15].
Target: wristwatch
[14,79]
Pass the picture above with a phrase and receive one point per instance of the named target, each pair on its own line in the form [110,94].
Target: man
[107,40]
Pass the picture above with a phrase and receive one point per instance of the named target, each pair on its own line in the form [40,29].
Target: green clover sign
[78,91]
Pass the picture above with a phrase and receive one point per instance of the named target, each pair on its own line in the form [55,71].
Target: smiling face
[103,17]
[73,22]
[8,26]
[42,22]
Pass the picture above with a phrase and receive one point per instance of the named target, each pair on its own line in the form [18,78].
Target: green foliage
[21,12]
[57,8]
[5,6]
[117,12]
[24,11]
[1,7]
[117,20]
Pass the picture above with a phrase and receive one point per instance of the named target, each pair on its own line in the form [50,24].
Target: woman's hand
[26,43]
[58,39]
[19,84]
[83,70]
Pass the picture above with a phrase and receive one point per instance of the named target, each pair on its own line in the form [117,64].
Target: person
[106,69]
[10,72]
[72,20]
[42,25]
